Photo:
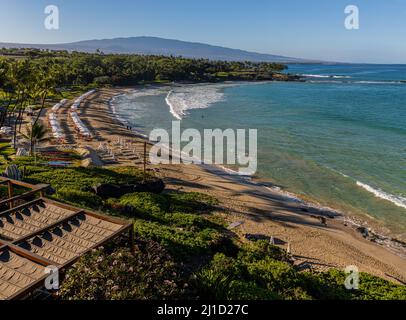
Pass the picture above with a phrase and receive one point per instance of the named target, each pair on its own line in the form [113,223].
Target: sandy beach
[252,206]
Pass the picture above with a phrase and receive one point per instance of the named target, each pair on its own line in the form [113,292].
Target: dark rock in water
[106,190]
[283,77]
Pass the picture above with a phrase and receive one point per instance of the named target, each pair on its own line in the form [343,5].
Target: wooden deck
[41,233]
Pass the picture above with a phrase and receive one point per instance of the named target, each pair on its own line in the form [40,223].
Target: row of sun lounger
[120,149]
[79,125]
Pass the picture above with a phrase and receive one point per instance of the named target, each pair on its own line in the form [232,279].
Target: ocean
[338,139]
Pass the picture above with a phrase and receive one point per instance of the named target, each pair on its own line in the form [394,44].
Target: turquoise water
[338,139]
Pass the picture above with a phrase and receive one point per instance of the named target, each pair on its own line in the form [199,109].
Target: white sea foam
[182,99]
[146,92]
[378,82]
[356,82]
[325,76]
[113,108]
[128,98]
[172,106]
[397,200]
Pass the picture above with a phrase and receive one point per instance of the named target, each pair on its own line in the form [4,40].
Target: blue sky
[299,28]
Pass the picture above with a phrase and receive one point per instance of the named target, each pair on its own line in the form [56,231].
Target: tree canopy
[84,68]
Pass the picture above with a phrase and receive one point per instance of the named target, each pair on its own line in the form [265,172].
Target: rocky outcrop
[285,77]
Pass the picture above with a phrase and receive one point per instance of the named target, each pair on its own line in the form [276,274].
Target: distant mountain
[160,46]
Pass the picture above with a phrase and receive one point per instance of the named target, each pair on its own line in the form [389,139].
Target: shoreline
[368,226]
[361,224]
[335,245]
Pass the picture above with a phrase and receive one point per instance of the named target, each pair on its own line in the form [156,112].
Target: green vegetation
[266,273]
[103,275]
[35,134]
[184,251]
[78,178]
[99,70]
[5,151]
[74,184]
[3,192]
[30,77]
[41,78]
[169,220]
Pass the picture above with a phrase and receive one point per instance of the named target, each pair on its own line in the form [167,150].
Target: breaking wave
[397,200]
[182,99]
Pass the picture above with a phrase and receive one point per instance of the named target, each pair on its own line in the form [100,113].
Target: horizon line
[310,60]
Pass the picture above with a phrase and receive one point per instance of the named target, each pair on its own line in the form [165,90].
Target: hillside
[160,46]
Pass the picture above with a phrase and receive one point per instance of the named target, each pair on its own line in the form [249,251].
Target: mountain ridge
[147,45]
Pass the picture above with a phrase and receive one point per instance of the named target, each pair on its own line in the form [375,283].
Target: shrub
[83,178]
[191,202]
[145,203]
[118,275]
[5,152]
[261,250]
[330,285]
[224,279]
[180,224]
[183,233]
[374,288]
[74,184]
[256,268]
[81,198]
[173,202]
[3,192]
[156,208]
[113,206]
[182,243]
[277,276]
[265,269]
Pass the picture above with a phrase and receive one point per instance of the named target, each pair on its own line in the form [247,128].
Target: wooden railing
[38,192]
[38,189]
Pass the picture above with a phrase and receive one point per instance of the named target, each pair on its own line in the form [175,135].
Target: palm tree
[47,75]
[35,134]
[19,75]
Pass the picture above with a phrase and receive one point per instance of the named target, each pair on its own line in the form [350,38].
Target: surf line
[171,106]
